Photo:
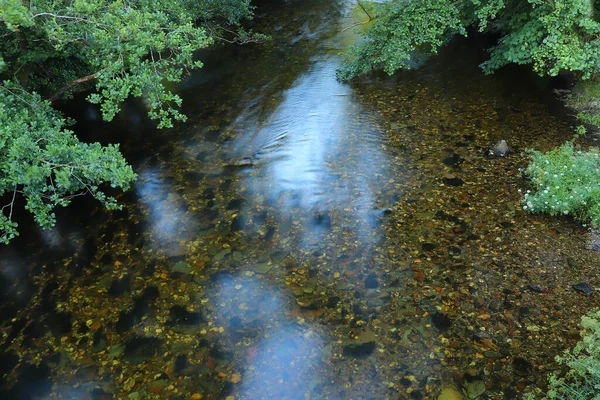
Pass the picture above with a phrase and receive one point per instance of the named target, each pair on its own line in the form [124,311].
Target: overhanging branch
[72,84]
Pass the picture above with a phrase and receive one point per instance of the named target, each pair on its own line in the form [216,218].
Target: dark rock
[596,246]
[107,259]
[453,160]
[208,194]
[235,204]
[150,293]
[428,246]
[535,288]
[99,342]
[180,316]
[61,323]
[126,321]
[584,287]
[359,350]
[181,364]
[322,219]
[453,251]
[522,367]
[441,321]
[237,224]
[138,349]
[119,286]
[193,178]
[371,281]
[452,181]
[333,301]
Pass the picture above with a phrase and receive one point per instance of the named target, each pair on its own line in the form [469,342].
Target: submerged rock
[474,389]
[449,393]
[240,162]
[535,288]
[359,350]
[452,180]
[583,287]
[371,281]
[500,149]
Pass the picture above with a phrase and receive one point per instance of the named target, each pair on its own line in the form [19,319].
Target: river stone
[371,281]
[535,288]
[474,389]
[583,287]
[453,160]
[359,350]
[452,180]
[263,268]
[240,162]
[182,267]
[449,393]
[441,321]
[500,149]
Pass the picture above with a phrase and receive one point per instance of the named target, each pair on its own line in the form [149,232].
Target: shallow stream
[300,238]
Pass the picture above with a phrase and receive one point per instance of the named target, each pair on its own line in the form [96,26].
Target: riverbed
[302,238]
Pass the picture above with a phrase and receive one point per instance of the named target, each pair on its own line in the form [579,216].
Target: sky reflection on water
[318,153]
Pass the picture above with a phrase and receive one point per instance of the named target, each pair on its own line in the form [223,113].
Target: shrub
[582,382]
[566,182]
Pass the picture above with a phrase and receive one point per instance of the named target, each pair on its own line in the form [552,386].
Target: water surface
[303,238]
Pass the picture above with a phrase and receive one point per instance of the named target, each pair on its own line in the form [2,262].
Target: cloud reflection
[319,153]
[279,355]
[166,218]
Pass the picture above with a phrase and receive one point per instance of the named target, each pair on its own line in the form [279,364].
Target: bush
[565,182]
[582,382]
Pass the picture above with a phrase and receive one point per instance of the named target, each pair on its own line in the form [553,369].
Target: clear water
[302,238]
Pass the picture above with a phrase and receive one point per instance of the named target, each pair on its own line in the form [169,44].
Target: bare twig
[87,21]
[371,18]
[71,84]
[365,10]
[356,24]
[11,204]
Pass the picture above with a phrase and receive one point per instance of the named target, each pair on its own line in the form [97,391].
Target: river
[301,238]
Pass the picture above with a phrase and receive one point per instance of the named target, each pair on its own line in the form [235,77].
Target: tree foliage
[120,48]
[550,35]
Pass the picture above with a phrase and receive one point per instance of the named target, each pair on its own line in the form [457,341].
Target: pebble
[535,288]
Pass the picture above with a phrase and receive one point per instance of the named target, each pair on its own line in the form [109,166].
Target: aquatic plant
[566,181]
[582,381]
